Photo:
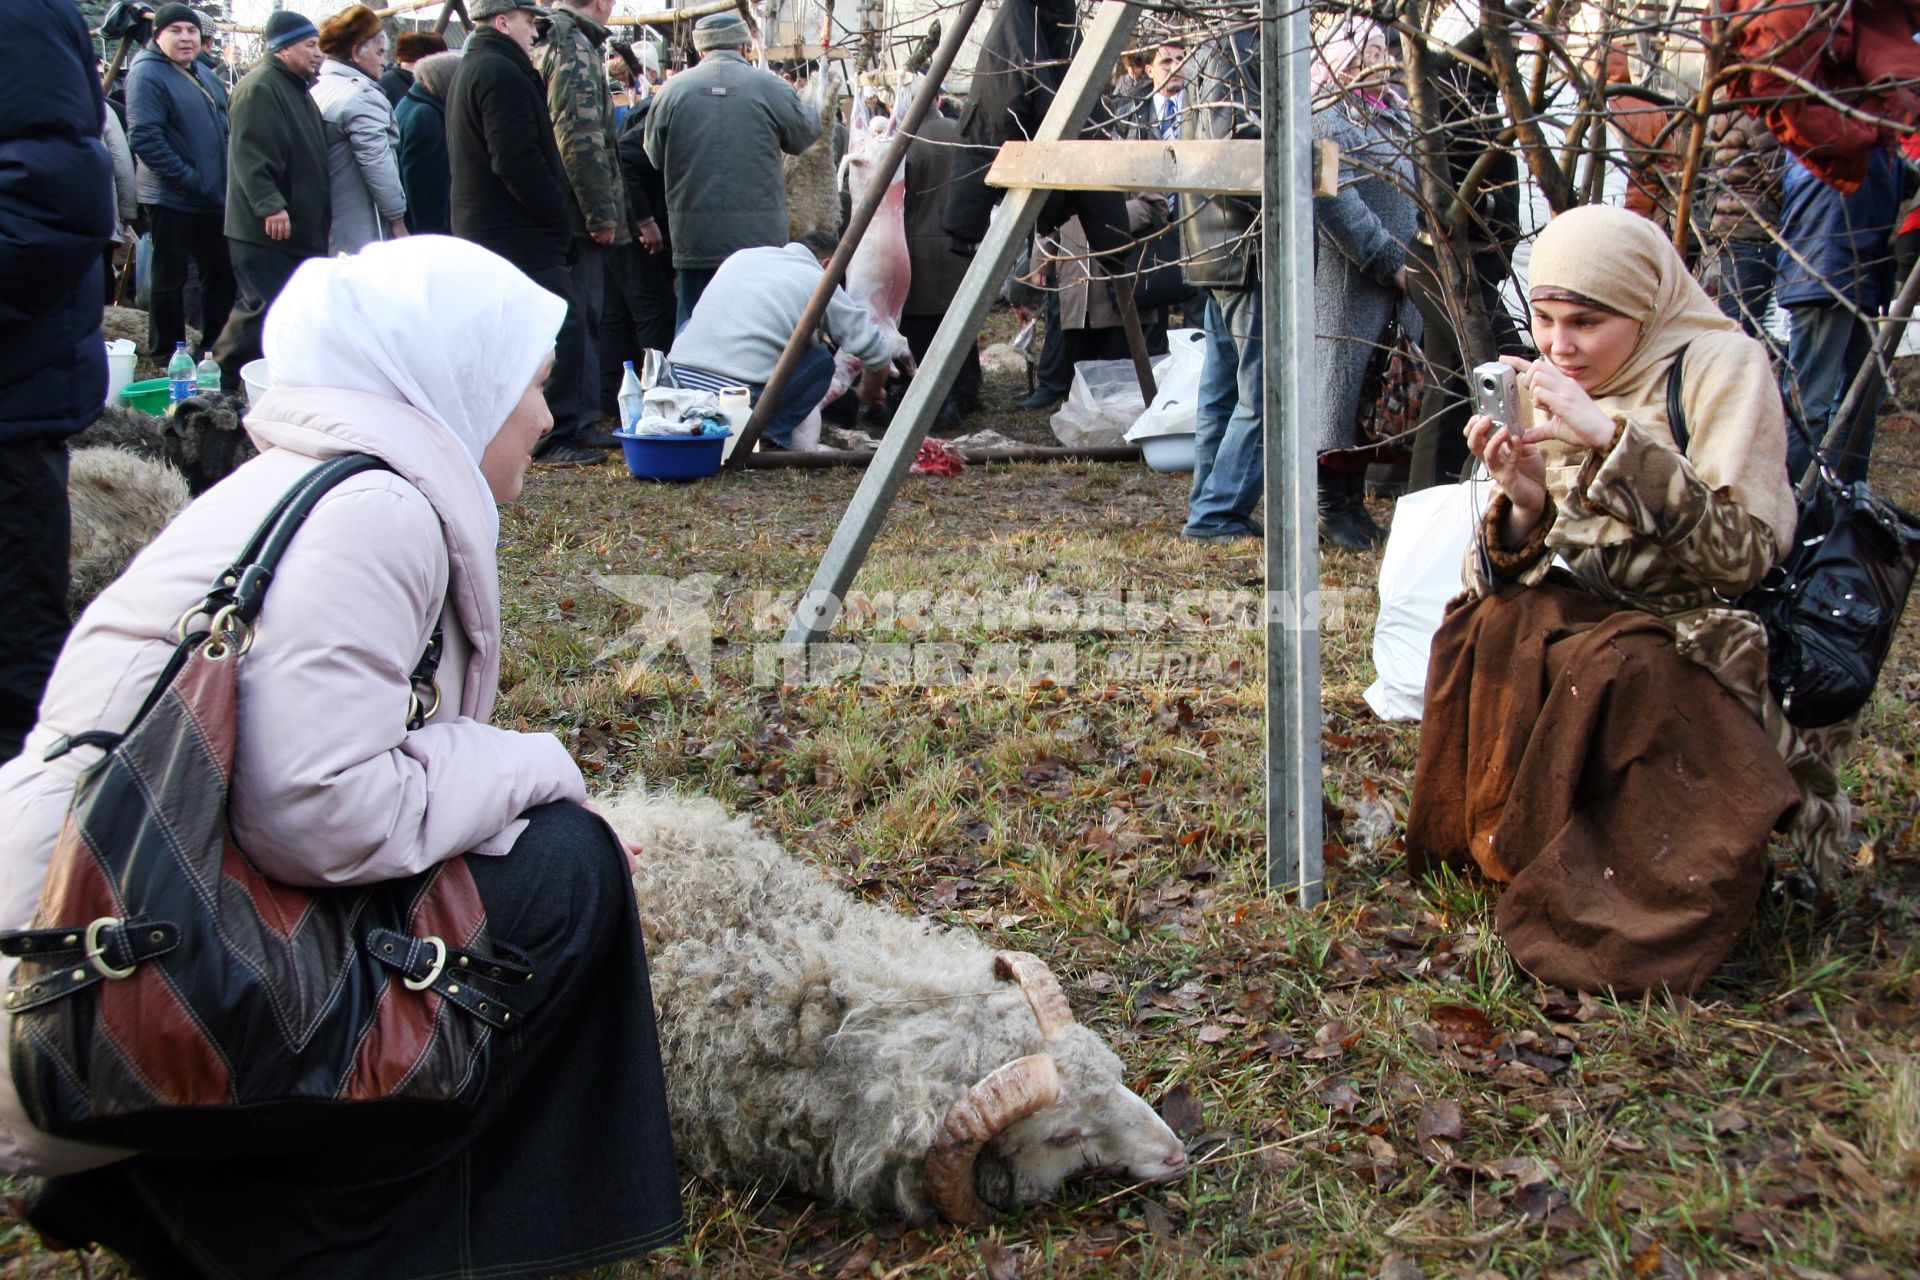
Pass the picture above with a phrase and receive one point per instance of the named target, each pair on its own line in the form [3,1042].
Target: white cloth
[435,322]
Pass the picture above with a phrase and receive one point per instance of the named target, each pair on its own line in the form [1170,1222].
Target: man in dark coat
[56,213]
[279,199]
[717,132]
[936,269]
[640,307]
[179,135]
[510,193]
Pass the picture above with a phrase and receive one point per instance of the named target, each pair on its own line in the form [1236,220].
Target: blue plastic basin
[673,457]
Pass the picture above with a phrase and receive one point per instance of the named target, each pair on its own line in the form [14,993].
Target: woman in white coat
[363,140]
[429,354]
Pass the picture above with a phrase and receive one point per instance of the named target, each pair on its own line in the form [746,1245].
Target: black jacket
[509,190]
[646,189]
[278,161]
[394,82]
[1019,67]
[56,212]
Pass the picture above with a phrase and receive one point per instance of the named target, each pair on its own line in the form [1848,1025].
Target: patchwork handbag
[172,998]
[1831,606]
[1390,390]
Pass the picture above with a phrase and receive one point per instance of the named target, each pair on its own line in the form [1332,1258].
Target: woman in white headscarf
[428,353]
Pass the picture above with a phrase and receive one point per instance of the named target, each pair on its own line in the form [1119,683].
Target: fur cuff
[1508,565]
[1596,458]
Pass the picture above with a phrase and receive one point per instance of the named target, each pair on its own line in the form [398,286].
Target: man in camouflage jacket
[572,62]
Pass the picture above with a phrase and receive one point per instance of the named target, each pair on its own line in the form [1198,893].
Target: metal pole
[836,271]
[1085,80]
[1293,531]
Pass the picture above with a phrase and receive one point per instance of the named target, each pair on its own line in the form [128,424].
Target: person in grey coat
[363,168]
[1360,274]
[716,133]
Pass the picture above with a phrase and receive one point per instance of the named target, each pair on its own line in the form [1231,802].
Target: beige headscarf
[1734,416]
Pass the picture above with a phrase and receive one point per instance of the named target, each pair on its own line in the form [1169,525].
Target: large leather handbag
[1831,606]
[172,998]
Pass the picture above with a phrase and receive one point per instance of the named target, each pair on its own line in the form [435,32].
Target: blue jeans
[1744,272]
[1229,446]
[689,285]
[809,383]
[1828,345]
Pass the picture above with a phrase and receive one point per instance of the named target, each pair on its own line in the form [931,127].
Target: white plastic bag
[1178,380]
[1103,403]
[1419,573]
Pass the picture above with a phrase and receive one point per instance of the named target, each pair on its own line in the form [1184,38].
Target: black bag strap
[243,586]
[1677,412]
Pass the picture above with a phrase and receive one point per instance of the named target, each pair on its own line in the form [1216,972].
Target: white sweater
[745,316]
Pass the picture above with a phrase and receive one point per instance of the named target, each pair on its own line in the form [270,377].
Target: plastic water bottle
[630,398]
[179,375]
[206,379]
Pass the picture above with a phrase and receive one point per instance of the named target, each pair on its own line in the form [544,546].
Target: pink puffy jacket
[329,786]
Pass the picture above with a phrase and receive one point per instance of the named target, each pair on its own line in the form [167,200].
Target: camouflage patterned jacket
[572,63]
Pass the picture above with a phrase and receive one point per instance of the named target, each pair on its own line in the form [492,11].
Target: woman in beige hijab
[1600,738]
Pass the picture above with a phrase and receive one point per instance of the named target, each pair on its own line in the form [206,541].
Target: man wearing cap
[179,136]
[279,203]
[509,193]
[716,132]
[573,65]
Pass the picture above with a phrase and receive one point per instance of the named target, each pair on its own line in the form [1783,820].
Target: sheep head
[1040,1119]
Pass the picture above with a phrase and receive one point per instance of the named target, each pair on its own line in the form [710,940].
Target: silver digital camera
[1496,393]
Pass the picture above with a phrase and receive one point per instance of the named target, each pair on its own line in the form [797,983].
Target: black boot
[1344,521]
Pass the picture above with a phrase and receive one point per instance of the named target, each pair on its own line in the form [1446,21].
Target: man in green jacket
[572,63]
[716,133]
[279,204]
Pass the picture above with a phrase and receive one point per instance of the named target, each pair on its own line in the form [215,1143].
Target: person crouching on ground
[428,353]
[1602,741]
[745,316]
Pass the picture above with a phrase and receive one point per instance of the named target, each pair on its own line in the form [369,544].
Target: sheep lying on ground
[838,1048]
[120,503]
[201,437]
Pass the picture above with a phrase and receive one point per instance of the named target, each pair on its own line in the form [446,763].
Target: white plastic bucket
[737,403]
[120,358]
[256,378]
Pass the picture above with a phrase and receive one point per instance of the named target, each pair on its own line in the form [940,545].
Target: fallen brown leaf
[1001,1262]
[1439,1126]
[859,1260]
[1181,1110]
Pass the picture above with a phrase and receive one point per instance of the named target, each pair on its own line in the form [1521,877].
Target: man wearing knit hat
[279,199]
[716,132]
[176,110]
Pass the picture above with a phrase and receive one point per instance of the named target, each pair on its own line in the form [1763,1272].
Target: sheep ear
[1009,1094]
[1050,1007]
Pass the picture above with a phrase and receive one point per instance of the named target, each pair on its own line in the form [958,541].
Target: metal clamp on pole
[850,238]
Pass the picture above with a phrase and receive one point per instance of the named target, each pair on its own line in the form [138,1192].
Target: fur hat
[347,30]
[168,14]
[721,31]
[285,27]
[415,45]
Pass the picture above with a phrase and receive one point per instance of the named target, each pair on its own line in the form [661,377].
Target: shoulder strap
[243,584]
[1676,412]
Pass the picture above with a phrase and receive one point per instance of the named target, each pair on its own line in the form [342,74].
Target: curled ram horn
[1010,1094]
[1050,1007]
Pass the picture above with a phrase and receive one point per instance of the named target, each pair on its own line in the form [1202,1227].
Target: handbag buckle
[96,952]
[433,974]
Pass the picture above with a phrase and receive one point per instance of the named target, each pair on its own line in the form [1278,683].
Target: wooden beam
[1207,168]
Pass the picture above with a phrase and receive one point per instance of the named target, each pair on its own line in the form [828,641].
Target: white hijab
[438,323]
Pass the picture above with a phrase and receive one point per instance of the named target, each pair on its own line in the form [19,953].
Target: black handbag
[172,998]
[1157,281]
[1831,606]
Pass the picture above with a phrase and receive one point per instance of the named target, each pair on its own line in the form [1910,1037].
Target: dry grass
[1770,1126]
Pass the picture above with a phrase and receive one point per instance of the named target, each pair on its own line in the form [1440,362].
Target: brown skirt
[1618,791]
